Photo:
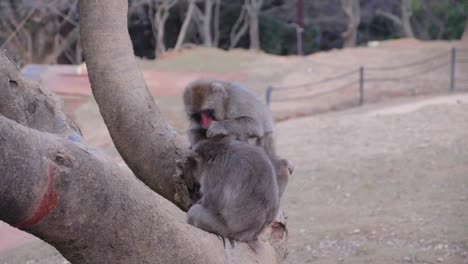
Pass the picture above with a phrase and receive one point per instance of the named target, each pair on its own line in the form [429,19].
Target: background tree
[404,21]
[253,11]
[352,10]
[188,18]
[40,31]
[59,189]
[161,15]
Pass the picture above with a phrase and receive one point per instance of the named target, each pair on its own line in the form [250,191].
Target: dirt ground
[383,183]
[379,184]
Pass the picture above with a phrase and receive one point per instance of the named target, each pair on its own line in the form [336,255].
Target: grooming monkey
[238,182]
[219,109]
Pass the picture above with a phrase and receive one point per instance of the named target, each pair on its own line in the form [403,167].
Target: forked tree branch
[149,146]
[57,188]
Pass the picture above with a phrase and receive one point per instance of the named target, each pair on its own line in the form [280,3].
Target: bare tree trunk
[239,28]
[160,17]
[217,13]
[406,14]
[59,189]
[465,34]
[253,11]
[353,11]
[207,17]
[185,25]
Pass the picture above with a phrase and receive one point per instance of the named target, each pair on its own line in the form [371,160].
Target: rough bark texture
[56,187]
[149,146]
[353,11]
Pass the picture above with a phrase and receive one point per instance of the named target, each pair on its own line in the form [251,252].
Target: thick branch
[33,107]
[395,19]
[93,211]
[146,142]
[60,190]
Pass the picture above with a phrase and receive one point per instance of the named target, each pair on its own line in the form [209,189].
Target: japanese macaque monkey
[240,193]
[220,108]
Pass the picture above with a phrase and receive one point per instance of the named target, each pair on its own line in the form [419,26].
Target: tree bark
[207,17]
[217,13]
[142,136]
[253,11]
[185,25]
[59,189]
[406,14]
[465,34]
[161,15]
[239,28]
[353,11]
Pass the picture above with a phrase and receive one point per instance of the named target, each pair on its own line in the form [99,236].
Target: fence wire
[426,68]
[306,85]
[411,64]
[412,75]
[315,95]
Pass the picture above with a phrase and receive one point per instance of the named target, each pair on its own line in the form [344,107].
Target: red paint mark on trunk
[46,206]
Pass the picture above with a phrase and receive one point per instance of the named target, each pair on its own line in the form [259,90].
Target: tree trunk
[160,18]
[70,195]
[239,28]
[217,13]
[253,11]
[185,25]
[207,38]
[465,34]
[353,11]
[406,14]
[163,9]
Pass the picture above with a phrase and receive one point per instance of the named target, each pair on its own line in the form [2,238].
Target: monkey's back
[241,188]
[249,105]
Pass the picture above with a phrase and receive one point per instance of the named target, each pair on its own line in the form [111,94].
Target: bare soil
[379,185]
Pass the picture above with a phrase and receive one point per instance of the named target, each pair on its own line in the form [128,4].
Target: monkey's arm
[241,127]
[196,134]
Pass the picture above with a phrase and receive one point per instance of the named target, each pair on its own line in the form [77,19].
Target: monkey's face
[205,117]
[205,102]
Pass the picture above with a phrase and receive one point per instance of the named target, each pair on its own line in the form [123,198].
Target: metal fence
[364,75]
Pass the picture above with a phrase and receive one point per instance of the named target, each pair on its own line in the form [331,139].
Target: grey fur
[237,112]
[238,182]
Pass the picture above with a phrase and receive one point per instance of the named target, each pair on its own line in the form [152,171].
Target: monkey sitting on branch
[240,193]
[219,108]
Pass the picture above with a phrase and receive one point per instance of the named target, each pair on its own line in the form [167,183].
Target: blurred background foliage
[46,31]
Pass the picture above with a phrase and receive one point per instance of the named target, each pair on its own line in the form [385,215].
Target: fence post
[361,85]
[452,69]
[269,90]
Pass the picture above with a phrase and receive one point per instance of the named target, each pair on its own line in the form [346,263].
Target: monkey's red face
[206,120]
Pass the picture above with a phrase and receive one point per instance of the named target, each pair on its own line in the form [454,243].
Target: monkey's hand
[216,129]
